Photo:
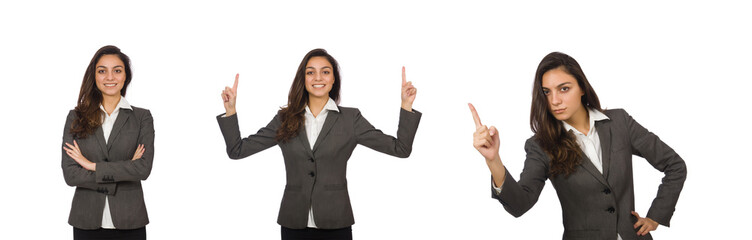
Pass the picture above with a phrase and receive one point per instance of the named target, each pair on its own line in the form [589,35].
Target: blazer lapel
[118,125]
[587,164]
[303,138]
[99,135]
[328,124]
[604,134]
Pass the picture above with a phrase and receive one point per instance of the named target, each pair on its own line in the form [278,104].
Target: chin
[561,117]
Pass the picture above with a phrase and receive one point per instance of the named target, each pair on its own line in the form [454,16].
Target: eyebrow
[118,66]
[560,85]
[321,68]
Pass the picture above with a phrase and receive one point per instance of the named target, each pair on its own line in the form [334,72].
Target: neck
[580,120]
[109,103]
[317,104]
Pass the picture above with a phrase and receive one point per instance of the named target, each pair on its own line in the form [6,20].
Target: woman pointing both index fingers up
[317,138]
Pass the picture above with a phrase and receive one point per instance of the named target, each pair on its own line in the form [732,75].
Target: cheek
[121,77]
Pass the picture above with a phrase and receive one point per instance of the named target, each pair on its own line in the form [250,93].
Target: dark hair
[559,144]
[292,115]
[89,116]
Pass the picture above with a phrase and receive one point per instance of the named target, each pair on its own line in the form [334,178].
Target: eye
[309,73]
[118,71]
[546,92]
[564,89]
[100,71]
[326,72]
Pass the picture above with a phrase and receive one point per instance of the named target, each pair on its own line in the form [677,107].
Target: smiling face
[319,77]
[110,75]
[563,93]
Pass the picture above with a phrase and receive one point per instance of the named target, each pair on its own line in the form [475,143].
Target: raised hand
[229,95]
[485,140]
[74,152]
[646,223]
[139,152]
[408,92]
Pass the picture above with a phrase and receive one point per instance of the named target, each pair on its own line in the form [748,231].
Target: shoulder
[531,143]
[615,113]
[348,111]
[141,113]
[72,114]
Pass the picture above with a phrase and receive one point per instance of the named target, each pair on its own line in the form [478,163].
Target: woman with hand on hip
[317,138]
[586,152]
[108,147]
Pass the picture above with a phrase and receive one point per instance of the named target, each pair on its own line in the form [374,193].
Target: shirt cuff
[496,189]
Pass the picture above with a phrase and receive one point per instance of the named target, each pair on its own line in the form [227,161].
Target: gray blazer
[116,175]
[595,205]
[316,178]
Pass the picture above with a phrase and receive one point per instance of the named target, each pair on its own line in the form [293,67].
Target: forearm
[125,170]
[238,147]
[498,171]
[76,176]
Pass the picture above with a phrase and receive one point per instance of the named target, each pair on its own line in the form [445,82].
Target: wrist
[229,112]
[92,166]
[407,106]
[494,162]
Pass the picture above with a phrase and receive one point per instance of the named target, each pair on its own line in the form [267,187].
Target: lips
[318,85]
[110,84]
[559,111]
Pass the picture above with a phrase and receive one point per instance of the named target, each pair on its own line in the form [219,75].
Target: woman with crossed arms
[317,138]
[586,152]
[108,148]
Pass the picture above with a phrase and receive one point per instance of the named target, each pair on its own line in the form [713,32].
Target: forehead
[556,77]
[109,60]
[318,62]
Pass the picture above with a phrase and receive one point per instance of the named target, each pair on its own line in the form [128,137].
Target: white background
[680,68]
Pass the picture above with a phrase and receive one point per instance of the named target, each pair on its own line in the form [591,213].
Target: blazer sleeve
[518,197]
[74,174]
[128,169]
[238,148]
[663,158]
[373,138]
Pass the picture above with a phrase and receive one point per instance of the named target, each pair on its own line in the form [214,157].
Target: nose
[555,99]
[317,76]
[109,76]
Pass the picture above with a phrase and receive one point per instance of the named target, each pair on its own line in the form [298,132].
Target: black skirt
[114,234]
[315,233]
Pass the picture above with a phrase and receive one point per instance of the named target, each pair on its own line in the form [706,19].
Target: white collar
[121,104]
[594,115]
[330,106]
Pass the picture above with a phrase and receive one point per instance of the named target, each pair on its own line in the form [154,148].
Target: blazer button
[312,174]
[607,191]
[611,210]
[310,159]
[106,160]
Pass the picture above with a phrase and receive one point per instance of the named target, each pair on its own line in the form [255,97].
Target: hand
[74,152]
[485,140]
[229,95]
[646,223]
[408,93]
[139,152]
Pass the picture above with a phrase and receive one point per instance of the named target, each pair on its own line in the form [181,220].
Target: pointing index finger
[476,118]
[235,86]
[404,80]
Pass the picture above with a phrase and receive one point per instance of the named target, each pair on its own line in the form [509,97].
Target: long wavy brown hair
[89,115]
[292,116]
[559,144]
